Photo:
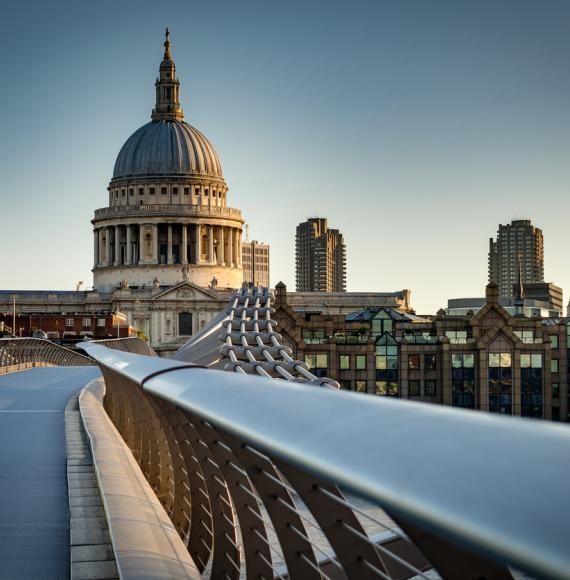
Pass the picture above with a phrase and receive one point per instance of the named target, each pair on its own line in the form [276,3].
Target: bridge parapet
[250,471]
[14,351]
[131,344]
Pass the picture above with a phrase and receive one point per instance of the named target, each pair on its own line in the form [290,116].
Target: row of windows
[344,362]
[85,322]
[389,358]
[429,389]
[164,191]
[429,362]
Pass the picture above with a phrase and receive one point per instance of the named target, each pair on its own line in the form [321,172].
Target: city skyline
[416,156]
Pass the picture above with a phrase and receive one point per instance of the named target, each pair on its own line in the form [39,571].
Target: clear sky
[415,127]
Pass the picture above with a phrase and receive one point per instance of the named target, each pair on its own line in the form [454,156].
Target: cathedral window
[141,191]
[185,324]
[123,192]
[131,191]
[186,190]
[163,190]
[174,191]
[151,190]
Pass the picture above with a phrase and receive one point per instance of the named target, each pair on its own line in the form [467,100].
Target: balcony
[174,210]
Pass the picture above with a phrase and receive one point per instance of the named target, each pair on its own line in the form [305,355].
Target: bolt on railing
[250,470]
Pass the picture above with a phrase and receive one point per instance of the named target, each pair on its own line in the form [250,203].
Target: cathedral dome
[167,148]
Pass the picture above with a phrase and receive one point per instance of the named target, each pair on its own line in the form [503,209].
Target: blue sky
[416,127]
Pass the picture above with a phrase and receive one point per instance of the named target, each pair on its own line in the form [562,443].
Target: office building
[255,263]
[487,360]
[518,245]
[320,255]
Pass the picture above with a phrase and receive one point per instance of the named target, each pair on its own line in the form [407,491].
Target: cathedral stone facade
[167,248]
[167,209]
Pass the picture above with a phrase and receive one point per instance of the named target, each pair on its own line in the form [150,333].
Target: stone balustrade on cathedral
[160,209]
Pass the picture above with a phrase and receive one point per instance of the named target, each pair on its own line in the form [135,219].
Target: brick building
[490,361]
[65,327]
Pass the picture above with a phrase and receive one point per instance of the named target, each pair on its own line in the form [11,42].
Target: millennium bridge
[232,460]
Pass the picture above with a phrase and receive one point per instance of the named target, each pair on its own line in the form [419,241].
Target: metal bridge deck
[34,509]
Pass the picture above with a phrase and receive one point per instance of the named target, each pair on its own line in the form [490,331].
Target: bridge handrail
[24,350]
[132,344]
[493,488]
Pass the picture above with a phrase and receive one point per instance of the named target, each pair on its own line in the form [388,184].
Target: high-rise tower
[320,257]
[519,247]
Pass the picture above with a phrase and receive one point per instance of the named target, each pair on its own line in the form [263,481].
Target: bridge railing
[15,351]
[259,477]
[131,344]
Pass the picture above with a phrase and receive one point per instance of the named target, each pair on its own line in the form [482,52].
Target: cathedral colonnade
[167,243]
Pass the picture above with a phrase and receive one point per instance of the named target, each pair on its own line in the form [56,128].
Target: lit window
[100,322]
[527,336]
[456,336]
[87,322]
[360,386]
[360,362]
[344,362]
[387,388]
[414,362]
[554,340]
[69,322]
[554,365]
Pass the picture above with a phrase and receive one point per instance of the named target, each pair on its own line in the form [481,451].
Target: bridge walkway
[34,508]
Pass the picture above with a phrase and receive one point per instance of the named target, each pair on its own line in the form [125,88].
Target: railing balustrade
[250,470]
[158,209]
[15,351]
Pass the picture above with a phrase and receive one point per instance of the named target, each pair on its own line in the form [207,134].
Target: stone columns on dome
[169,259]
[198,244]
[222,256]
[235,258]
[154,244]
[108,246]
[231,262]
[184,244]
[141,244]
[129,253]
[95,248]
[117,246]
[211,257]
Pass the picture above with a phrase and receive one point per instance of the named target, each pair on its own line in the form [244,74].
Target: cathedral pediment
[185,290]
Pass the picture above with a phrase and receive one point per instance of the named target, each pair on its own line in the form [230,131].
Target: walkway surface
[34,508]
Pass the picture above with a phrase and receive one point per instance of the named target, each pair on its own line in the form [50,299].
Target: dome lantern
[167,106]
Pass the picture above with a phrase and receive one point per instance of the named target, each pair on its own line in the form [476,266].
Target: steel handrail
[24,350]
[494,486]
